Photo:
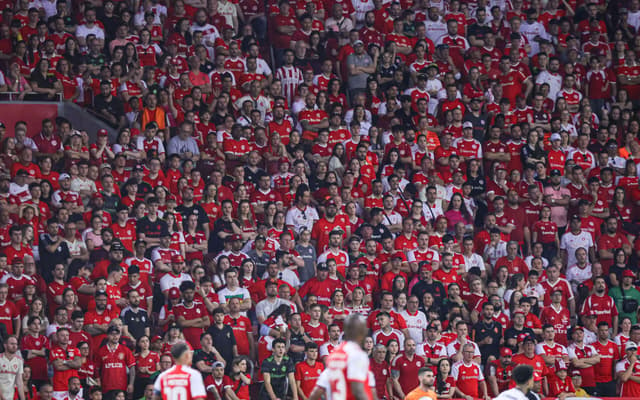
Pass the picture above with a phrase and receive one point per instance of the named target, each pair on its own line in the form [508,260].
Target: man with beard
[188,207]
[135,319]
[426,283]
[209,32]
[500,372]
[612,239]
[74,388]
[381,371]
[584,358]
[53,249]
[523,375]
[97,321]
[65,194]
[115,256]
[602,305]
[66,361]
[425,389]
[325,225]
[11,372]
[487,333]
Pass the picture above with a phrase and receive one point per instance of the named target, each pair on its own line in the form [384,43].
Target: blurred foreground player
[523,376]
[180,382]
[348,365]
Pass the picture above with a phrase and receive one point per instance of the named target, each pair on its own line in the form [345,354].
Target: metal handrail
[13,96]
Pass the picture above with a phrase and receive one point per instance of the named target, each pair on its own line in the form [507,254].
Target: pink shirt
[558,213]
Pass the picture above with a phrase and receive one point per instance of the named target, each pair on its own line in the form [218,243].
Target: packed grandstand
[463,174]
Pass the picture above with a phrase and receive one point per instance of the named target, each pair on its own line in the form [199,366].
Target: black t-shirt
[112,106]
[482,330]
[513,333]
[435,288]
[194,209]
[136,321]
[152,229]
[223,341]
[201,355]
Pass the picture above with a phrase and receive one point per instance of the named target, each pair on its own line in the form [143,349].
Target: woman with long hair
[147,363]
[337,159]
[44,82]
[457,213]
[445,384]
[64,74]
[241,377]
[337,308]
[623,334]
[247,273]
[358,304]
[16,82]
[545,231]
[28,387]
[247,220]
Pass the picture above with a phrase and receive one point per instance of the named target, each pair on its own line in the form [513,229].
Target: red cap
[135,132]
[103,132]
[158,337]
[16,260]
[235,237]
[627,273]
[501,166]
[97,195]
[506,352]
[518,311]
[172,197]
[537,377]
[284,160]
[330,202]
[561,365]
[397,254]
[174,293]
[177,258]
[227,26]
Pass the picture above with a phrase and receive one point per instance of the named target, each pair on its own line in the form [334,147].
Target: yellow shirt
[419,394]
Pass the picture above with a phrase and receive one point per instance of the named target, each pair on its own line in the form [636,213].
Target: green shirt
[632,293]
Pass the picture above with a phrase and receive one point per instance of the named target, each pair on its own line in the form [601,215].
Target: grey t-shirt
[308,254]
[359,81]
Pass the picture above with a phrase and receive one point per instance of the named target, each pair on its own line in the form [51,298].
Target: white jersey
[180,383]
[416,324]
[571,243]
[512,394]
[9,370]
[348,363]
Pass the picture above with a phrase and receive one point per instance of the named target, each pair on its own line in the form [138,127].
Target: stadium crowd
[464,174]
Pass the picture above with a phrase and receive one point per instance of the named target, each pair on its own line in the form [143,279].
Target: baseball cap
[103,132]
[555,172]
[64,176]
[396,255]
[561,365]
[627,273]
[322,267]
[467,124]
[537,377]
[358,42]
[506,352]
[235,237]
[501,166]
[555,136]
[117,246]
[575,372]
[113,329]
[630,346]
[177,258]
[16,260]
[217,364]
[174,293]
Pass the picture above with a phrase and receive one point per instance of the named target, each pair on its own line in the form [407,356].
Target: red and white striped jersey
[291,78]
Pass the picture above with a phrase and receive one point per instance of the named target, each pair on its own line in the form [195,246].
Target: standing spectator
[468,376]
[584,358]
[112,362]
[223,338]
[360,66]
[66,362]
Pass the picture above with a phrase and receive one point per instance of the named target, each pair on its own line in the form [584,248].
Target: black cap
[112,329]
[116,245]
[322,267]
[134,269]
[555,172]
